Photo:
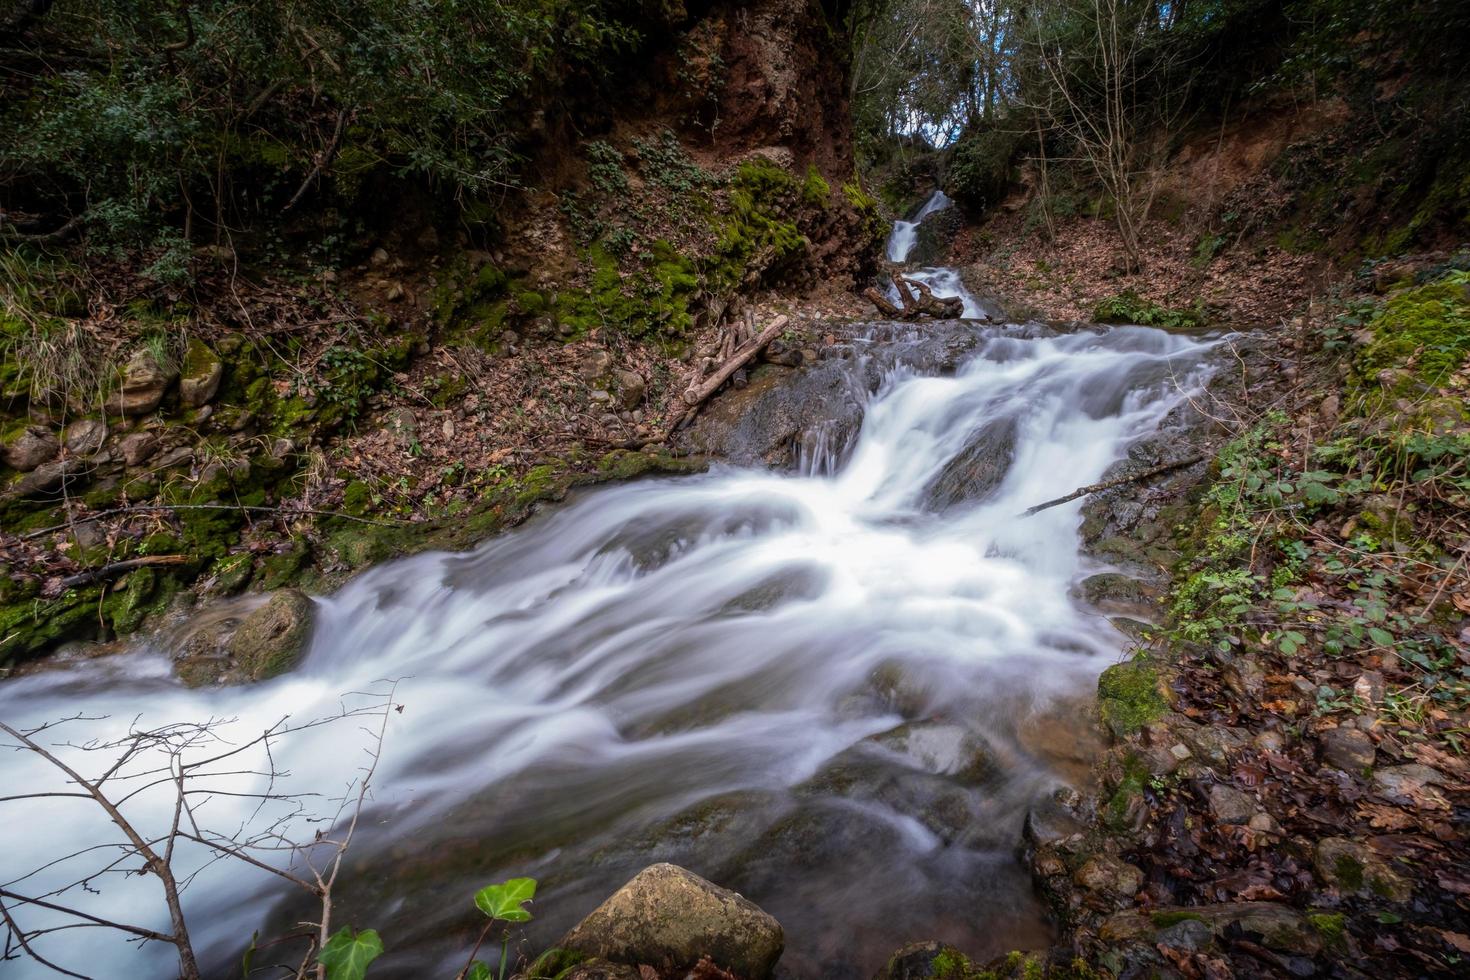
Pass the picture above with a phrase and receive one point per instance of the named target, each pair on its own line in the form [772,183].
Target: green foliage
[506,901]
[1129,307]
[211,106]
[348,953]
[982,165]
[1424,331]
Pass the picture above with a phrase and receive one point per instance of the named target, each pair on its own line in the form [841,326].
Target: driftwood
[920,302]
[1110,484]
[91,575]
[696,395]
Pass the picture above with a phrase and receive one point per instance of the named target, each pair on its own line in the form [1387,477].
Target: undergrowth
[1354,543]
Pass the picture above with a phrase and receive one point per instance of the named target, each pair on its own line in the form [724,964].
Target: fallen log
[116,568]
[1110,484]
[742,356]
[920,302]
[696,395]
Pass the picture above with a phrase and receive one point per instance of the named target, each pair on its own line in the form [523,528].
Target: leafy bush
[178,115]
[982,166]
[1129,307]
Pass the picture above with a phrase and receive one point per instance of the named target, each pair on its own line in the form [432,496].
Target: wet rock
[32,446]
[142,387]
[670,919]
[1215,744]
[1231,806]
[1187,934]
[977,469]
[271,639]
[1277,927]
[379,258]
[1349,749]
[1109,876]
[1244,677]
[1054,818]
[85,436]
[942,749]
[1352,868]
[200,378]
[138,447]
[928,960]
[1113,592]
[631,388]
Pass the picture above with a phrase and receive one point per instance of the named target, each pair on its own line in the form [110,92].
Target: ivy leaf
[478,971]
[1382,637]
[505,901]
[347,954]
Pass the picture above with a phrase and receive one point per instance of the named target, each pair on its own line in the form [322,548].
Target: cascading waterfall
[824,689]
[905,233]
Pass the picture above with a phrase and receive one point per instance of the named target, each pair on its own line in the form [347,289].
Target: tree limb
[1110,484]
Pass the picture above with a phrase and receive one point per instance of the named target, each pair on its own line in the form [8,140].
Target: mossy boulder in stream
[226,648]
[670,919]
[271,639]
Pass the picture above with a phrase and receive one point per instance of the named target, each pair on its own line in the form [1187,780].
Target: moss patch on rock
[1129,697]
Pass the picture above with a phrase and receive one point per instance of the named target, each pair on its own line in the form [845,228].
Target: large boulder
[30,447]
[271,639]
[669,918]
[200,378]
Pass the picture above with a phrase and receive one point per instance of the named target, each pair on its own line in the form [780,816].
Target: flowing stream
[837,690]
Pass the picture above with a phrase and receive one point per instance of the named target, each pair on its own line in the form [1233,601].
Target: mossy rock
[272,638]
[1130,695]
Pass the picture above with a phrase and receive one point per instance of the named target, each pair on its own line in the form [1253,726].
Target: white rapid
[829,692]
[901,241]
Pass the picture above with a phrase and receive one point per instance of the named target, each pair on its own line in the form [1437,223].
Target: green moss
[815,191]
[1164,920]
[1129,696]
[232,573]
[951,964]
[357,498]
[281,570]
[1116,812]
[754,227]
[1331,926]
[31,625]
[1349,872]
[1423,331]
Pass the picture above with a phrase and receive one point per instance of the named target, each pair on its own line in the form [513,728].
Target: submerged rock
[228,647]
[669,918]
